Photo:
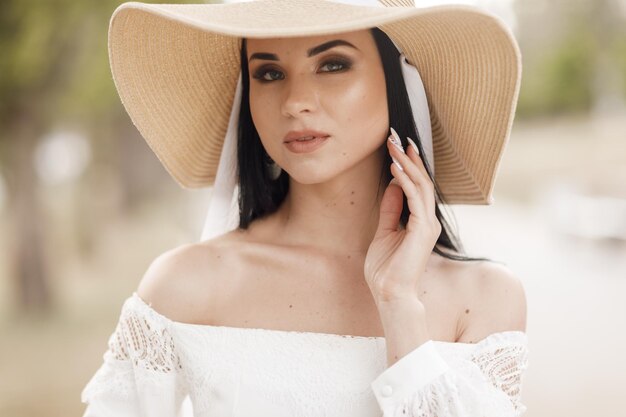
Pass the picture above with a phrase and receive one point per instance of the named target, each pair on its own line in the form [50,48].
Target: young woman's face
[306,83]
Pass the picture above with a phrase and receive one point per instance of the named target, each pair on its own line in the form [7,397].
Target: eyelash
[260,73]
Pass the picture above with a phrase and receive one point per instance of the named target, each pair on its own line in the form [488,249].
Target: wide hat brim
[176,67]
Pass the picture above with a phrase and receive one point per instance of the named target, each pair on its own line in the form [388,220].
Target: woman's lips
[305,146]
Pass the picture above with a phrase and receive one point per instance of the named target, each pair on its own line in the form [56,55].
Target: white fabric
[223,212]
[419,107]
[153,363]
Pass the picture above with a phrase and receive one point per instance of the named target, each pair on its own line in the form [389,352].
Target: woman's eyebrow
[313,51]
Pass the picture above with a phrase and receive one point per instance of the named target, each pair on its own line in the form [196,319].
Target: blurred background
[85,206]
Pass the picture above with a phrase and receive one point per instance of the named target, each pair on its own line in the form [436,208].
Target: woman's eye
[261,75]
[334,66]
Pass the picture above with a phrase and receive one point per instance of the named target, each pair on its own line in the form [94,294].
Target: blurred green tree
[561,81]
[618,52]
[579,72]
[38,44]
[54,66]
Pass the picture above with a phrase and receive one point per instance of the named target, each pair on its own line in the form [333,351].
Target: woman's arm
[419,382]
[486,382]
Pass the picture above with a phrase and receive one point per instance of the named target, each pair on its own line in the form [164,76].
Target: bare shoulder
[179,282]
[492,299]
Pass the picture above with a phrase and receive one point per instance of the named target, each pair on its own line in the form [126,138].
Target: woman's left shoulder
[479,276]
[491,298]
[491,275]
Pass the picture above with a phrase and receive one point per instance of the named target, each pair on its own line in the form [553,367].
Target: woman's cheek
[349,96]
[362,107]
[361,98]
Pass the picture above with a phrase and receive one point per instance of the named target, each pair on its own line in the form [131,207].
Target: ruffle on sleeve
[141,374]
[487,383]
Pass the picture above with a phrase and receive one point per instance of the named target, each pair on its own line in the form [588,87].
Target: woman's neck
[340,215]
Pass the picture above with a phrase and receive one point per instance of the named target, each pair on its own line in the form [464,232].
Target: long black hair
[260,195]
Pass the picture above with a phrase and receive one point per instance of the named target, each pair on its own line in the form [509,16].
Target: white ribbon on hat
[223,212]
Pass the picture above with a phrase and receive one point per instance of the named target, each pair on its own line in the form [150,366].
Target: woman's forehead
[359,40]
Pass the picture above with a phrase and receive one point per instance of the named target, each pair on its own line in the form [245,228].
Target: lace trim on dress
[141,352]
[505,366]
[144,339]
[488,383]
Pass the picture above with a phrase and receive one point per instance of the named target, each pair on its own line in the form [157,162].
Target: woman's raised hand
[397,257]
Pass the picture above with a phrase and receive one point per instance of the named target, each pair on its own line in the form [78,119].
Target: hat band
[360,2]
[377,3]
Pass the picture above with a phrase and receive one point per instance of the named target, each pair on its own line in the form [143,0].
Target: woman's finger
[390,210]
[414,155]
[415,202]
[414,174]
[420,180]
[409,167]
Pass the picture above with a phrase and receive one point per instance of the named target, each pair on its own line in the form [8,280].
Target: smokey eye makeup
[340,65]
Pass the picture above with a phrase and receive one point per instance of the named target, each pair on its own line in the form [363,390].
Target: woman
[340,292]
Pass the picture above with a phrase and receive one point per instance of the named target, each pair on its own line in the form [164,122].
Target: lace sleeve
[141,374]
[487,383]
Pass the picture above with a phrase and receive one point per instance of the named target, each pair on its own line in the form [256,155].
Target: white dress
[156,367]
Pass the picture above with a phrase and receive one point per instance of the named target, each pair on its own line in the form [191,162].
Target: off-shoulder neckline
[144,304]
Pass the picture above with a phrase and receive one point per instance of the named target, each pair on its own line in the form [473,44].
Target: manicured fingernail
[395,139]
[397,164]
[413,145]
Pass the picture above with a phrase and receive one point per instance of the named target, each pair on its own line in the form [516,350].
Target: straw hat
[176,68]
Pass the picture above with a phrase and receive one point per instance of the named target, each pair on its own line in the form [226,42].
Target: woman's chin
[311,177]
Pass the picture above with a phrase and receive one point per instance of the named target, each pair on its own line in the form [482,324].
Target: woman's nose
[300,96]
